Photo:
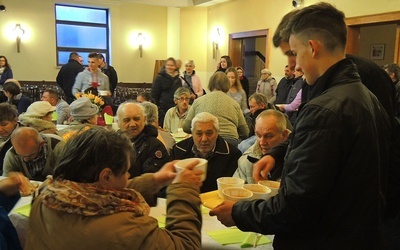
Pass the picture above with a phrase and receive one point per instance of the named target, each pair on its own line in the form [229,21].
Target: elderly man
[8,123]
[270,131]
[175,116]
[208,144]
[34,155]
[151,153]
[62,108]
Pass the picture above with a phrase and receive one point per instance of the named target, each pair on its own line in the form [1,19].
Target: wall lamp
[140,40]
[216,40]
[297,3]
[18,32]
[2,8]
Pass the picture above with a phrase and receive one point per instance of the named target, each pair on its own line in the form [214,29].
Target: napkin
[24,210]
[161,221]
[251,238]
[235,236]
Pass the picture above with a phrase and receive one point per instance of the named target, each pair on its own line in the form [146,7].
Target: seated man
[270,131]
[165,137]
[34,155]
[8,122]
[151,153]
[175,116]
[258,103]
[206,143]
[62,108]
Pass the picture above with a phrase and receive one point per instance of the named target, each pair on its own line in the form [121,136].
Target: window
[81,29]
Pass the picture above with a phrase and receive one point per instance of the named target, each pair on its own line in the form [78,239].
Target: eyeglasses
[33,156]
[183,99]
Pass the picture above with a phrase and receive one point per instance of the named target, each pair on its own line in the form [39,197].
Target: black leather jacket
[331,193]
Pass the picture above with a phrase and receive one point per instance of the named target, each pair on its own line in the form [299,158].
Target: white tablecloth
[209,224]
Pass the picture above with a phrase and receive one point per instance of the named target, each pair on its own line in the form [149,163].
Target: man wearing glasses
[34,155]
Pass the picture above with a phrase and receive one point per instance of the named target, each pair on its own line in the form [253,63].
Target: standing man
[110,72]
[330,180]
[62,108]
[91,77]
[67,74]
[284,86]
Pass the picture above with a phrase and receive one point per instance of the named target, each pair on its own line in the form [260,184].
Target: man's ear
[286,134]
[315,47]
[105,175]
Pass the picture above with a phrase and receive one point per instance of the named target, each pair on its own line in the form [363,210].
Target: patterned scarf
[91,199]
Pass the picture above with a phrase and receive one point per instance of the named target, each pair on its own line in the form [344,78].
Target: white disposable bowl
[202,165]
[259,191]
[236,194]
[273,185]
[224,182]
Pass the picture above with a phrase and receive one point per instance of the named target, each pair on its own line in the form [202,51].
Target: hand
[189,174]
[262,167]
[281,107]
[224,213]
[166,174]
[10,186]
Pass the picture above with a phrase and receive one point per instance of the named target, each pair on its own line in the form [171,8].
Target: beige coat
[49,229]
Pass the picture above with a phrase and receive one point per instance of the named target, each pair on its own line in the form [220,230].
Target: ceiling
[177,3]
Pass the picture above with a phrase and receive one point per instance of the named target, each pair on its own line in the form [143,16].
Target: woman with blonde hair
[236,91]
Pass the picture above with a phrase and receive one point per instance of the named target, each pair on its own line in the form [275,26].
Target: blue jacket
[7,74]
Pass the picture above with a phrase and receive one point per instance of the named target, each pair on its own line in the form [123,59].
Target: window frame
[105,52]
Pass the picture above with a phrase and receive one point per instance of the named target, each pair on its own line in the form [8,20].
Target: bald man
[34,155]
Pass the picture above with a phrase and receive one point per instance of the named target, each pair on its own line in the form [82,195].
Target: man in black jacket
[331,193]
[110,72]
[67,74]
[151,153]
[206,143]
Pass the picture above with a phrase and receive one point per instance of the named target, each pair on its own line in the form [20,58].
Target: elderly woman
[39,116]
[83,111]
[90,203]
[191,81]
[230,116]
[12,90]
[267,85]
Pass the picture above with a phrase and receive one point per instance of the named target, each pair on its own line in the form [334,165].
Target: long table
[209,224]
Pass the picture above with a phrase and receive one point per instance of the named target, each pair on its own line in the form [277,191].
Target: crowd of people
[328,132]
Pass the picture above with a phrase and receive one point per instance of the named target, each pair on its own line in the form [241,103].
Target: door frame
[235,45]
[355,23]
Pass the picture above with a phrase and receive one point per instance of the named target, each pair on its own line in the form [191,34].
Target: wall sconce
[297,3]
[140,40]
[18,32]
[216,40]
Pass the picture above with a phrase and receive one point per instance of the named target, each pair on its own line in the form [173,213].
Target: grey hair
[151,112]
[181,91]
[279,116]
[122,106]
[205,117]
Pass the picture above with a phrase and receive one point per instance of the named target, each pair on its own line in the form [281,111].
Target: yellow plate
[210,199]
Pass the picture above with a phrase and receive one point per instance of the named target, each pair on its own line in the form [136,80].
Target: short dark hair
[322,21]
[82,162]
[52,92]
[73,55]
[146,96]
[93,55]
[393,68]
[8,112]
[100,56]
[277,39]
[219,81]
[12,88]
